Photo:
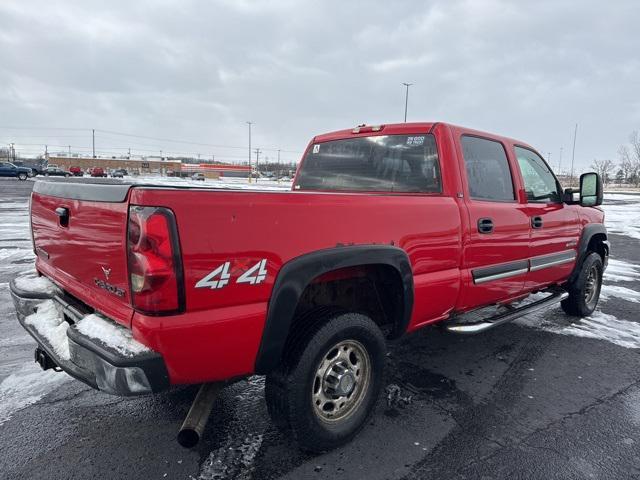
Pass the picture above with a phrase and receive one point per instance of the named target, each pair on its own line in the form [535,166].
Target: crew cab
[387,229]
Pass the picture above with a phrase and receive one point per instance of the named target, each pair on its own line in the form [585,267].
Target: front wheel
[329,384]
[22,176]
[584,291]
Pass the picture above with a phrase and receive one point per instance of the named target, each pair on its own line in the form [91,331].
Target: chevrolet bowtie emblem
[107,272]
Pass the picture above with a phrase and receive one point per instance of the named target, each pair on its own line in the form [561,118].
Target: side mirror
[590,189]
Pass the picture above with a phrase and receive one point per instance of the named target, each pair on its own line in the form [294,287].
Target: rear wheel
[584,292]
[327,387]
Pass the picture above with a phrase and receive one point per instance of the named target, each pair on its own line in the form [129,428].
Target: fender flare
[588,232]
[296,274]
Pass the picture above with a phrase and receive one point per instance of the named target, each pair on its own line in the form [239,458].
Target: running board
[488,323]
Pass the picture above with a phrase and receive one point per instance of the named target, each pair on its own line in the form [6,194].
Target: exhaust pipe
[193,426]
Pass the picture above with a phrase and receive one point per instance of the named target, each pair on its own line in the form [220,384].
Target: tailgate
[79,232]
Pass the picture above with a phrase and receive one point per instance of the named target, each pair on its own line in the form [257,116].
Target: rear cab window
[487,167]
[383,163]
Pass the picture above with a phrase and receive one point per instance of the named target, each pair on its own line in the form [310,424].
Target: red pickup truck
[387,229]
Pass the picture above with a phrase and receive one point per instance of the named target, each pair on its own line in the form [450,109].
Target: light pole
[249,123]
[573,153]
[406,100]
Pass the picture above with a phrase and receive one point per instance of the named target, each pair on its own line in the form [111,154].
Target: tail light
[155,265]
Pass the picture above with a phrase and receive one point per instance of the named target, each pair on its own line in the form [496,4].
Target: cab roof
[407,129]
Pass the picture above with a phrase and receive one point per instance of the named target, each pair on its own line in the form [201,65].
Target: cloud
[197,70]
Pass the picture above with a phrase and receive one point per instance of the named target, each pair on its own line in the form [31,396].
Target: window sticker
[316,148]
[415,141]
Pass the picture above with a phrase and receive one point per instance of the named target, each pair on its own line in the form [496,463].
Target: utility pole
[257,160]
[129,154]
[249,123]
[573,153]
[160,155]
[93,141]
[406,100]
[69,151]
[46,152]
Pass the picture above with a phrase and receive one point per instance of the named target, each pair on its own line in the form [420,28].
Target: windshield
[386,163]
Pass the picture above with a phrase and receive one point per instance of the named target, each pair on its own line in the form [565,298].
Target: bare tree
[603,168]
[626,162]
[634,140]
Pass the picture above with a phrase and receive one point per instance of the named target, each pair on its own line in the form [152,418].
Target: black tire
[22,176]
[46,174]
[584,292]
[291,392]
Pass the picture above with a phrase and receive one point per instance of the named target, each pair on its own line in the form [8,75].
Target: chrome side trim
[546,261]
[518,267]
[499,276]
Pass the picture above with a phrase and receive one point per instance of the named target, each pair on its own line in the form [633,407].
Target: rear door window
[487,168]
[385,163]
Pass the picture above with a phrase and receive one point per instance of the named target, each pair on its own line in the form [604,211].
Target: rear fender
[296,274]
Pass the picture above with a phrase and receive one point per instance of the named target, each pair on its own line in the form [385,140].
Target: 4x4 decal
[221,276]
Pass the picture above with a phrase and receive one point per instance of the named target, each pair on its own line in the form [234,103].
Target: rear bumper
[90,360]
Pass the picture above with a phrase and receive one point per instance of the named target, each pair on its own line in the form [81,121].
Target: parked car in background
[76,171]
[10,170]
[55,172]
[97,172]
[198,176]
[119,173]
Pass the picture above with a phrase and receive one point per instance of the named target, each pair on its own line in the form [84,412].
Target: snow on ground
[25,387]
[602,326]
[623,219]
[114,336]
[618,271]
[619,292]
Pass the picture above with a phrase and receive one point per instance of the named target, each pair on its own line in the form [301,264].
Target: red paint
[218,335]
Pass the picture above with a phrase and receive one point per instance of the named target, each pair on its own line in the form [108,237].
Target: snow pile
[618,271]
[50,324]
[25,387]
[34,284]
[114,336]
[602,326]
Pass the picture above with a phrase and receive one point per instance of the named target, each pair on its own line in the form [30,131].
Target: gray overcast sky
[198,70]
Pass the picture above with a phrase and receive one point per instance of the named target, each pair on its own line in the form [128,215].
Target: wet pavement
[530,399]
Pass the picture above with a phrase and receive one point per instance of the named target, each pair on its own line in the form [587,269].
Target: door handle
[485,225]
[536,222]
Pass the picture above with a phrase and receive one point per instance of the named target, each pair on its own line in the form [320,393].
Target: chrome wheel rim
[341,381]
[591,286]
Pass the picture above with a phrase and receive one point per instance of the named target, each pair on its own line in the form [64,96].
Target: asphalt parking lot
[544,397]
